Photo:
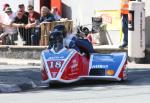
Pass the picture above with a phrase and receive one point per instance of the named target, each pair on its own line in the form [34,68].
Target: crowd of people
[24,23]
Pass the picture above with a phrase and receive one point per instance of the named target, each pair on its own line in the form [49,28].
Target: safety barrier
[48,26]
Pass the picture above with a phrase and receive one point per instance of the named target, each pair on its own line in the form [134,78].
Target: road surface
[135,90]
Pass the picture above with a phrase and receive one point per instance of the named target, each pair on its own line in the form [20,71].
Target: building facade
[81,11]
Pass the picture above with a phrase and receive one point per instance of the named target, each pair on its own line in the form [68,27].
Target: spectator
[3,15]
[22,8]
[20,22]
[124,16]
[32,19]
[46,16]
[54,11]
[10,33]
[33,15]
[5,6]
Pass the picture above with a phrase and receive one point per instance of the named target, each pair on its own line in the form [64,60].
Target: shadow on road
[32,74]
[136,77]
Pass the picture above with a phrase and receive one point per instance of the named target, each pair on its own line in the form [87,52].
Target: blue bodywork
[99,63]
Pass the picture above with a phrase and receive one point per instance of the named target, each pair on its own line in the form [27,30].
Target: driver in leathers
[72,41]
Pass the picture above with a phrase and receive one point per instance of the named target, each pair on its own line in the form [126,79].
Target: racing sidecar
[68,65]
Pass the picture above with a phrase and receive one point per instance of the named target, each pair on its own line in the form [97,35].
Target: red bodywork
[74,66]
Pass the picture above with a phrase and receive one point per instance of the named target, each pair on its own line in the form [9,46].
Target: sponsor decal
[100,66]
[74,64]
[55,57]
[52,56]
[107,18]
[99,57]
[111,18]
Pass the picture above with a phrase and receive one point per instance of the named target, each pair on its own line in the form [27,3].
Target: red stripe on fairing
[44,74]
[123,69]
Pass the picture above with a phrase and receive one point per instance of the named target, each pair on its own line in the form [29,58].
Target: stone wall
[34,52]
[24,52]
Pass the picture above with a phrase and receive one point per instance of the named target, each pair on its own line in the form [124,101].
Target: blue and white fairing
[61,55]
[108,66]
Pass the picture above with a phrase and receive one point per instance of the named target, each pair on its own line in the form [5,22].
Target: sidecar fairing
[67,65]
[108,66]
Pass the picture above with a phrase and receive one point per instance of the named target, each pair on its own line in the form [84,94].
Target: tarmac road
[135,90]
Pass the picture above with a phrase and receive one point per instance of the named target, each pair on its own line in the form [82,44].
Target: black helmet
[85,30]
[54,38]
[61,28]
[58,37]
[82,31]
